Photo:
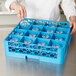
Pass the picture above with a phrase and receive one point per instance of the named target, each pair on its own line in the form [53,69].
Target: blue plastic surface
[44,40]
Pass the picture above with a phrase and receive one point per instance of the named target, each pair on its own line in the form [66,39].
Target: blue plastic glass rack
[44,40]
